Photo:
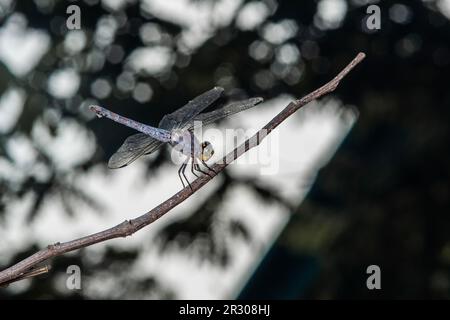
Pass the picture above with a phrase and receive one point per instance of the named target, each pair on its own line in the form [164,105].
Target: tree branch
[128,227]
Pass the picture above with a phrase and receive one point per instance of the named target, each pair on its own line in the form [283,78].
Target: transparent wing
[186,113]
[132,148]
[228,110]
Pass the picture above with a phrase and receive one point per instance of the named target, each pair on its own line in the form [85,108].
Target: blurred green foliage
[384,197]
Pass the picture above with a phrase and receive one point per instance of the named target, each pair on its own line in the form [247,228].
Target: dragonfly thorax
[185,142]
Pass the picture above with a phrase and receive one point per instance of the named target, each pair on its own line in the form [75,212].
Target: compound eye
[206,144]
[207,150]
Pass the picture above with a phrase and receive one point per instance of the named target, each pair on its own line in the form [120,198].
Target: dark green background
[388,184]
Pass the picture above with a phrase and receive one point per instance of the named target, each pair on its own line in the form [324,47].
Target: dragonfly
[177,130]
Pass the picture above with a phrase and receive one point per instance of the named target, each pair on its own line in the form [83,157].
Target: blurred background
[358,178]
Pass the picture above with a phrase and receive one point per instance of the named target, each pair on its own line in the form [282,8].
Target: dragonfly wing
[228,110]
[186,113]
[132,148]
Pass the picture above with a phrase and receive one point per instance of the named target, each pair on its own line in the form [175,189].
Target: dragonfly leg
[192,167]
[183,172]
[208,167]
[179,175]
[197,167]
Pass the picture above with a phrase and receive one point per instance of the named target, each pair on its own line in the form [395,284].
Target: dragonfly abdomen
[156,133]
[159,134]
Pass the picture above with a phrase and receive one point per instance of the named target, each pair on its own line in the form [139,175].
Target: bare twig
[33,272]
[128,227]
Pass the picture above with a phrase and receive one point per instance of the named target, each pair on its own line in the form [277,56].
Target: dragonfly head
[207,150]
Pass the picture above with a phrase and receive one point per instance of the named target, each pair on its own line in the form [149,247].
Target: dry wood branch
[128,227]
